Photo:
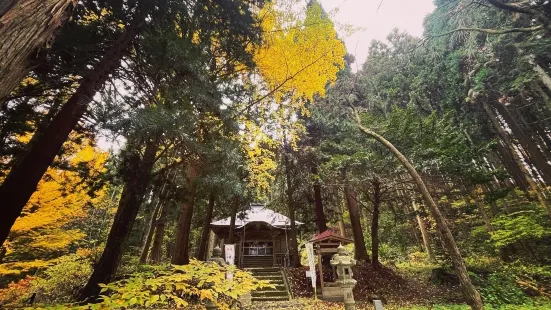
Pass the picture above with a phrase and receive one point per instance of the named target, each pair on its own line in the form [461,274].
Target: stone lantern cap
[342,258]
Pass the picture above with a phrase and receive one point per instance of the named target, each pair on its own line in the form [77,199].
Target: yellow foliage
[62,197]
[17,268]
[298,58]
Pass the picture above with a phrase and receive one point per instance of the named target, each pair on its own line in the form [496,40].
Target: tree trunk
[129,205]
[469,291]
[375,223]
[424,234]
[341,209]
[23,178]
[504,155]
[155,255]
[181,248]
[482,211]
[152,223]
[359,241]
[538,158]
[234,208]
[320,214]
[202,246]
[147,236]
[505,138]
[292,243]
[25,27]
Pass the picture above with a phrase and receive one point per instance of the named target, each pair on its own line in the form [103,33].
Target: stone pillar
[343,261]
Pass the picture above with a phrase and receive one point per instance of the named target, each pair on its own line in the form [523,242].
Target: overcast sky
[377,23]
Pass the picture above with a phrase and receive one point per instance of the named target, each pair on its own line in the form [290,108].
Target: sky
[377,22]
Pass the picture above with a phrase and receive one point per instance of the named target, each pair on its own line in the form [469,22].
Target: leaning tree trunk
[320,214]
[375,223]
[538,158]
[360,251]
[25,27]
[203,242]
[129,205]
[424,234]
[23,178]
[469,291]
[505,138]
[181,248]
[234,208]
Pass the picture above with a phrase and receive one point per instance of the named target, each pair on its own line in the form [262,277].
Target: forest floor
[384,283]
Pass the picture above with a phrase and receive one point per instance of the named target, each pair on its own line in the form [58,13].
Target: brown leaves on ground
[382,282]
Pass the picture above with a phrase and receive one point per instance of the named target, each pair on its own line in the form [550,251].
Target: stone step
[268,273]
[263,269]
[268,276]
[278,287]
[274,298]
[270,294]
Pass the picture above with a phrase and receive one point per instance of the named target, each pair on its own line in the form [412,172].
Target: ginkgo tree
[45,230]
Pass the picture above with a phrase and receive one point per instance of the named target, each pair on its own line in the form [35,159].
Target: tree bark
[155,255]
[538,158]
[505,138]
[341,207]
[424,234]
[320,214]
[181,248]
[23,178]
[25,27]
[202,246]
[469,291]
[129,205]
[152,224]
[234,208]
[504,155]
[292,243]
[375,223]
[482,211]
[360,251]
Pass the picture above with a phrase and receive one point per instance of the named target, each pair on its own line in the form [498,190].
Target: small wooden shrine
[261,237]
[326,244]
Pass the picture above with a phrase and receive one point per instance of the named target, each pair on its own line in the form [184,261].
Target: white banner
[229,249]
[311,263]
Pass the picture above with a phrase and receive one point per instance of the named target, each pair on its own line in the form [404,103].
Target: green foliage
[60,283]
[518,227]
[500,288]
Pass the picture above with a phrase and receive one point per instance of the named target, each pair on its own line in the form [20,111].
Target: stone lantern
[216,258]
[343,262]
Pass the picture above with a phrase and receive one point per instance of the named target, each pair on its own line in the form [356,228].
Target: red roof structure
[330,235]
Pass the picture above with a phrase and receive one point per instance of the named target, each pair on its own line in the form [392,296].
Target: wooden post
[320,268]
[274,263]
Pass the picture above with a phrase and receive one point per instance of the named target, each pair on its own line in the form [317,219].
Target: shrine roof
[257,213]
[328,235]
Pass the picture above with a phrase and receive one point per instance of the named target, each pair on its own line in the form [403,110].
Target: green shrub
[60,283]
[500,288]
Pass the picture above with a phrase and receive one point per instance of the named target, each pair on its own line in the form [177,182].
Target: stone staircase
[275,276]
[257,261]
